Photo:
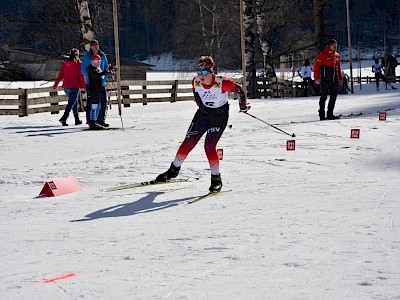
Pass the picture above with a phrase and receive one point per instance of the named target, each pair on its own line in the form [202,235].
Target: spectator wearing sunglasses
[73,80]
[86,62]
[211,96]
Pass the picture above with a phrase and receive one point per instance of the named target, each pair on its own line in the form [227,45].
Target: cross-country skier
[328,73]
[377,68]
[211,96]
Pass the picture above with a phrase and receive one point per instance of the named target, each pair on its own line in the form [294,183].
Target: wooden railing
[24,102]
[274,87]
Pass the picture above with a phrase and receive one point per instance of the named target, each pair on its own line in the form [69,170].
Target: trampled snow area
[320,222]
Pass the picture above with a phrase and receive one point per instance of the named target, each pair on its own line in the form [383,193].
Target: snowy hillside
[320,222]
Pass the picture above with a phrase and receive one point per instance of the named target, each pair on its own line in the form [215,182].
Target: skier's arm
[244,107]
[228,85]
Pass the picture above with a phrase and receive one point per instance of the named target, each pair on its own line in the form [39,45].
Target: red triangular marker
[60,186]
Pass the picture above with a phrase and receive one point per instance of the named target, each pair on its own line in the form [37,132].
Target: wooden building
[44,65]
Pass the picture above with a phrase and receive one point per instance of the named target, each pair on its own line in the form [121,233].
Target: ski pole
[292,135]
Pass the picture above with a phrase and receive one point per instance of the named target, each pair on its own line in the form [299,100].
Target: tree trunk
[86,22]
[249,36]
[266,46]
[319,23]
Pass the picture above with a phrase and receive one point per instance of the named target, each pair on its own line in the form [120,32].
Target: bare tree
[249,40]
[85,22]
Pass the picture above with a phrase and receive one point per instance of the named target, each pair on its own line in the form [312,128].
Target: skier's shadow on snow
[143,205]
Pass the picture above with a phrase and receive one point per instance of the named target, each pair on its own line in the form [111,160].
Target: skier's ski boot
[216,183]
[394,88]
[172,172]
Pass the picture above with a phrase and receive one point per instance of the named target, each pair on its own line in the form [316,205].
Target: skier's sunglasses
[203,72]
[97,61]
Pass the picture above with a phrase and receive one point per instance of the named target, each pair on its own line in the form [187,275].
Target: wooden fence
[23,102]
[275,87]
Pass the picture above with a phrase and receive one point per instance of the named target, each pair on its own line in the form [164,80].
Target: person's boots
[331,116]
[63,120]
[321,113]
[94,126]
[103,123]
[216,183]
[172,172]
[77,121]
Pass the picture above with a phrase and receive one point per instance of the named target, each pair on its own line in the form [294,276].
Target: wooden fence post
[126,103]
[144,95]
[23,104]
[53,112]
[80,102]
[174,91]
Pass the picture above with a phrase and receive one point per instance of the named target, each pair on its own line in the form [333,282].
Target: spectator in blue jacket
[86,62]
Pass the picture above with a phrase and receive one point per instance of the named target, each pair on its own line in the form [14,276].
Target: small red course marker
[59,278]
[291,145]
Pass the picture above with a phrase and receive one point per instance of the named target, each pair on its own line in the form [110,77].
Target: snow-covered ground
[321,222]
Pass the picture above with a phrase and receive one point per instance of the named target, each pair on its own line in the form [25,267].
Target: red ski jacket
[71,75]
[327,66]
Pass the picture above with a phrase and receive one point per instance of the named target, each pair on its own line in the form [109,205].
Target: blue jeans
[72,94]
[101,114]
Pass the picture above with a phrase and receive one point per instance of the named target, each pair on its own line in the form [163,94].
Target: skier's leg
[196,130]
[214,133]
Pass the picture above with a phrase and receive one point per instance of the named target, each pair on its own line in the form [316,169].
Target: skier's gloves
[245,108]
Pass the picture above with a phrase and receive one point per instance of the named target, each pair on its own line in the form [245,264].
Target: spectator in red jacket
[73,80]
[328,74]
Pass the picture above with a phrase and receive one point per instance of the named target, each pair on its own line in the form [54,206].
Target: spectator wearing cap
[95,86]
[73,80]
[328,74]
[211,96]
[86,62]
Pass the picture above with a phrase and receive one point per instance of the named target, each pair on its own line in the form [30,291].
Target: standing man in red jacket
[328,74]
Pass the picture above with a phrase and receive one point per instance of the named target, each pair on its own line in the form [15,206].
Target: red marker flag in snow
[291,145]
[382,116]
[355,134]
[220,153]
